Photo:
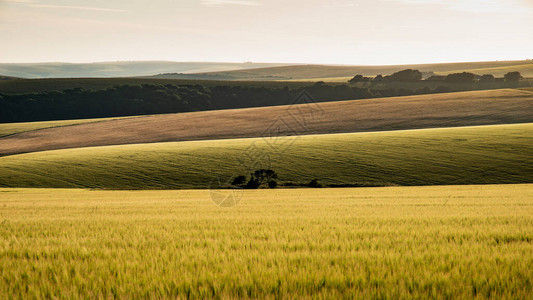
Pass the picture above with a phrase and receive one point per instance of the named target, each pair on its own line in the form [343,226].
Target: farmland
[255,149]
[142,207]
[412,112]
[416,242]
[465,155]
[13,128]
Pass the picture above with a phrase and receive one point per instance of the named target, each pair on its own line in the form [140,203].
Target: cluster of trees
[410,75]
[265,178]
[257,179]
[467,77]
[129,100]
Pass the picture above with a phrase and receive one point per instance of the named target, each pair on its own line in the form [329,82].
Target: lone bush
[239,180]
[261,176]
[464,77]
[406,75]
[360,78]
[272,184]
[512,76]
[314,184]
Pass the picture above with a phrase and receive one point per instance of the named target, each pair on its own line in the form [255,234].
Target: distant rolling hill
[526,70]
[342,73]
[2,77]
[242,71]
[119,69]
[465,155]
[396,113]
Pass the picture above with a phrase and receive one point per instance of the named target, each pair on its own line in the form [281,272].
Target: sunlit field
[395,242]
[13,128]
[468,155]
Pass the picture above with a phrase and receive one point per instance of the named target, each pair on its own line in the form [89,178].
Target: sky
[357,32]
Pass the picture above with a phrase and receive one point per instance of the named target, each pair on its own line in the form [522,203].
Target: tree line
[410,75]
[145,99]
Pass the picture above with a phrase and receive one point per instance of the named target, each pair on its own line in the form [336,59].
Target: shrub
[512,77]
[406,75]
[360,78]
[442,89]
[261,176]
[314,184]
[272,184]
[487,78]
[464,77]
[239,180]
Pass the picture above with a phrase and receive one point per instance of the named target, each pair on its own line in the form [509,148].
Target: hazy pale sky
[301,31]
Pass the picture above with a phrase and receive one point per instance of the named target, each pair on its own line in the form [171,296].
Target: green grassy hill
[468,155]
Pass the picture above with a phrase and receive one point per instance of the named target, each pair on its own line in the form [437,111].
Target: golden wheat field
[395,242]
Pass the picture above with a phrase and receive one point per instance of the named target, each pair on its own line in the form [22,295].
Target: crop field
[464,155]
[504,106]
[396,242]
[13,128]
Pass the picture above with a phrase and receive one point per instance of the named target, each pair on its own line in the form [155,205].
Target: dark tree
[272,184]
[314,184]
[464,77]
[512,76]
[378,78]
[406,75]
[259,177]
[253,183]
[239,180]
[487,78]
[265,175]
[422,91]
[359,78]
[442,89]
[436,78]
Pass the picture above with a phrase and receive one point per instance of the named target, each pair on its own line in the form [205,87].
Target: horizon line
[258,62]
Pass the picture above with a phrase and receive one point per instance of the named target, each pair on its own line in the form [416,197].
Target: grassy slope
[325,71]
[469,155]
[13,128]
[457,242]
[412,112]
